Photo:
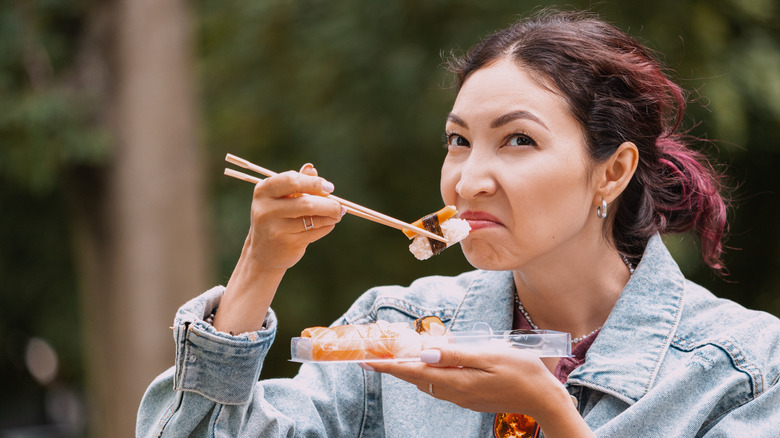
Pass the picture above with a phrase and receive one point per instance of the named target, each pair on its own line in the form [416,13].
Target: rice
[454,230]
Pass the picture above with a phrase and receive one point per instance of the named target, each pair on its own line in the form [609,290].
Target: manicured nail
[366,366]
[327,186]
[343,211]
[306,166]
[430,356]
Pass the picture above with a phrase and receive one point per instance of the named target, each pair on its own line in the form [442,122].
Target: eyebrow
[502,120]
[457,120]
[506,118]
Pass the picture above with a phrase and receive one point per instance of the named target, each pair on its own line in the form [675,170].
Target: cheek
[448,183]
[553,204]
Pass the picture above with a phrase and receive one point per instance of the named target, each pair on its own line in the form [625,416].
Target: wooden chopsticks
[352,208]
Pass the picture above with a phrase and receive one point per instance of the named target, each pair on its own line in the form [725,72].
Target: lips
[479,219]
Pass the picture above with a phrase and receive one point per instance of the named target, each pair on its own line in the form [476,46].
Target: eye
[521,140]
[454,139]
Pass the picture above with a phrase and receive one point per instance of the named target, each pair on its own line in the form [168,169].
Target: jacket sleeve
[757,418]
[213,388]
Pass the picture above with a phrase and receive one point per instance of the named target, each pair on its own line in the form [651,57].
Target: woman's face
[516,169]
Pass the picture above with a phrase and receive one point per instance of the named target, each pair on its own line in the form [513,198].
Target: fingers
[280,211]
[292,183]
[425,377]
[447,357]
[312,225]
[441,364]
[308,169]
[280,196]
[481,378]
[289,211]
[413,372]
[457,356]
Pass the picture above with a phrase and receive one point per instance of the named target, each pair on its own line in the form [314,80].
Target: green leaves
[46,120]
[43,131]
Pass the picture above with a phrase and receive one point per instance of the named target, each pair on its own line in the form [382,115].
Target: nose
[476,178]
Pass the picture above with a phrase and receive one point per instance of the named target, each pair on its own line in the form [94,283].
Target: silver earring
[601,210]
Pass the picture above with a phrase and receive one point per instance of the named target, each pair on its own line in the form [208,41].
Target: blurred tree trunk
[139,223]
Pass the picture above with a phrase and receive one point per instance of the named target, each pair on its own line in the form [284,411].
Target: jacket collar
[489,298]
[625,357]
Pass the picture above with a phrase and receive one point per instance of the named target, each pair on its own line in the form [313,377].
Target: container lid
[544,343]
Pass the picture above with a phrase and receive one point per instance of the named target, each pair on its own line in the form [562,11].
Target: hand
[503,379]
[278,235]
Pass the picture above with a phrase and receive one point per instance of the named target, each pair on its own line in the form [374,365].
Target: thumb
[308,169]
[453,356]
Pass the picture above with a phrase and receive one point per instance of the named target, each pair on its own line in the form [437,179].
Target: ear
[613,175]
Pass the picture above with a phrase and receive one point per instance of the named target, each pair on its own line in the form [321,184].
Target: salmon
[379,340]
[442,215]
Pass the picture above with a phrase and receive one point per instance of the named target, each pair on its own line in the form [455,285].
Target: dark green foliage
[47,119]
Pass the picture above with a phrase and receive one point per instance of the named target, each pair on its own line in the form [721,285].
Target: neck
[578,296]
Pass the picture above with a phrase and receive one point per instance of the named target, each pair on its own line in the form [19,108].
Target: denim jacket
[672,360]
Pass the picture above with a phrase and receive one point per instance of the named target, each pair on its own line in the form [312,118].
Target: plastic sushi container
[544,343]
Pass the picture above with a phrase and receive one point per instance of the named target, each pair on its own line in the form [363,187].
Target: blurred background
[116,115]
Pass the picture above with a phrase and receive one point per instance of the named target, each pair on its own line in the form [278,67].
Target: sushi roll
[442,223]
[376,341]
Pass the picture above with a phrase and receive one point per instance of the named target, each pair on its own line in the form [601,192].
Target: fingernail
[327,186]
[366,366]
[306,166]
[430,356]
[343,211]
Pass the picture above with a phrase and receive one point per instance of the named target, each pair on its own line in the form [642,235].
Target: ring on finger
[310,225]
[430,389]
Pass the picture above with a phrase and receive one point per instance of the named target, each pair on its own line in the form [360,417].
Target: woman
[565,158]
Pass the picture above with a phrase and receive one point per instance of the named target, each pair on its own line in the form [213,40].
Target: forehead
[502,87]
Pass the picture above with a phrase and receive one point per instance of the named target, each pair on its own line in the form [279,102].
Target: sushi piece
[379,340]
[431,325]
[442,223]
[336,343]
[440,216]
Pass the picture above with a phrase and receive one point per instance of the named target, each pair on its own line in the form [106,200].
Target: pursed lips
[479,219]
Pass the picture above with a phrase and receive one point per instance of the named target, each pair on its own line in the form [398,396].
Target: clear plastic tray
[546,343]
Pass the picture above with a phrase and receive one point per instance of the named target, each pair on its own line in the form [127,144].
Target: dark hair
[617,90]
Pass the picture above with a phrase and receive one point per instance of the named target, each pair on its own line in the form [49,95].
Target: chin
[482,255]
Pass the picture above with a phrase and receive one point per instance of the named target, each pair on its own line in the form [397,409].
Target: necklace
[628,264]
[574,340]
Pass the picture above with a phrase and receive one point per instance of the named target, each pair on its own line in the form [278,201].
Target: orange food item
[335,343]
[379,340]
[515,426]
[317,332]
[445,213]
[431,325]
